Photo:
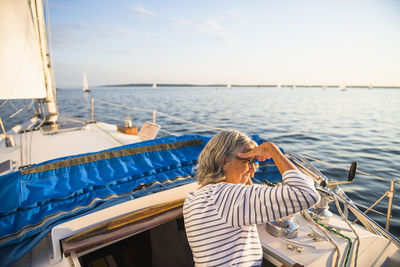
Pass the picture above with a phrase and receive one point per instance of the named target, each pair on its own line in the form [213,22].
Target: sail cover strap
[108,155]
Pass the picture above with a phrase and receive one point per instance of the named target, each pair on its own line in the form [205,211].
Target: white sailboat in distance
[154,86]
[85,86]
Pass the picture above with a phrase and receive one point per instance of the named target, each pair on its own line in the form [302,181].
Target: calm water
[360,125]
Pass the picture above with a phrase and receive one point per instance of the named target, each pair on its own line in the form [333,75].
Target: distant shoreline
[240,85]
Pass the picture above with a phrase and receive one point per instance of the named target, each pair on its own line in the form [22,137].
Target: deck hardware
[352,171]
[7,165]
[294,245]
[92,110]
[286,227]
[299,249]
[321,210]
[9,139]
[314,235]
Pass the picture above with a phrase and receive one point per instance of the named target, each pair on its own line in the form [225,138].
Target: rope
[332,230]
[16,113]
[351,227]
[14,107]
[30,105]
[21,109]
[106,132]
[308,218]
[4,102]
[365,207]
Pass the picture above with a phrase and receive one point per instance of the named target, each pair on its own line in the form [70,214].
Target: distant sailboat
[342,87]
[293,86]
[154,86]
[278,86]
[229,86]
[85,86]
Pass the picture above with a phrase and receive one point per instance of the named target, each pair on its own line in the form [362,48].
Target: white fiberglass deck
[373,250]
[37,146]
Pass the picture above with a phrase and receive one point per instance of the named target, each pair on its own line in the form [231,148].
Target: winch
[321,210]
[286,227]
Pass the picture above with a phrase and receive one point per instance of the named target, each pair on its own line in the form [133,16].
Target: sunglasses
[249,161]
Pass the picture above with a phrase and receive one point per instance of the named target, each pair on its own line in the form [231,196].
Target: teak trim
[124,226]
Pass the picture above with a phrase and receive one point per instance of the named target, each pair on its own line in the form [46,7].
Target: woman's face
[238,171]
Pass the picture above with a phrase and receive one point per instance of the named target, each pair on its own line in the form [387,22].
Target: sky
[312,42]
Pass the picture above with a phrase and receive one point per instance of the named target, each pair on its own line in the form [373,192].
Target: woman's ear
[224,162]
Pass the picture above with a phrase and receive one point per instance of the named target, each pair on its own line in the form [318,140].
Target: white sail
[21,67]
[85,86]
[154,86]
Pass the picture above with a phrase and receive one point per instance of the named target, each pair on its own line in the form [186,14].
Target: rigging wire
[345,168]
[25,107]
[159,113]
[190,122]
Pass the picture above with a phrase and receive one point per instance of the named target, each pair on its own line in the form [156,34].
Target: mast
[50,101]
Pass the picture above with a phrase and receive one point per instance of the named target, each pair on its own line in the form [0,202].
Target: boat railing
[389,194]
[155,114]
[338,194]
[303,162]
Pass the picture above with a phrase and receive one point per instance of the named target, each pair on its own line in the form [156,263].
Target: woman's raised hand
[270,150]
[262,152]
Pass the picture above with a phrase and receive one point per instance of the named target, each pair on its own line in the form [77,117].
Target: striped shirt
[220,219]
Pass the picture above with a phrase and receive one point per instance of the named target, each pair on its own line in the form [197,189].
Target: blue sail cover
[42,196]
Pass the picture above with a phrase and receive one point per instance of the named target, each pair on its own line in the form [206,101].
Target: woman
[221,216]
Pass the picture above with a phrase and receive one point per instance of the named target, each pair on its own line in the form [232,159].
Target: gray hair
[211,159]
